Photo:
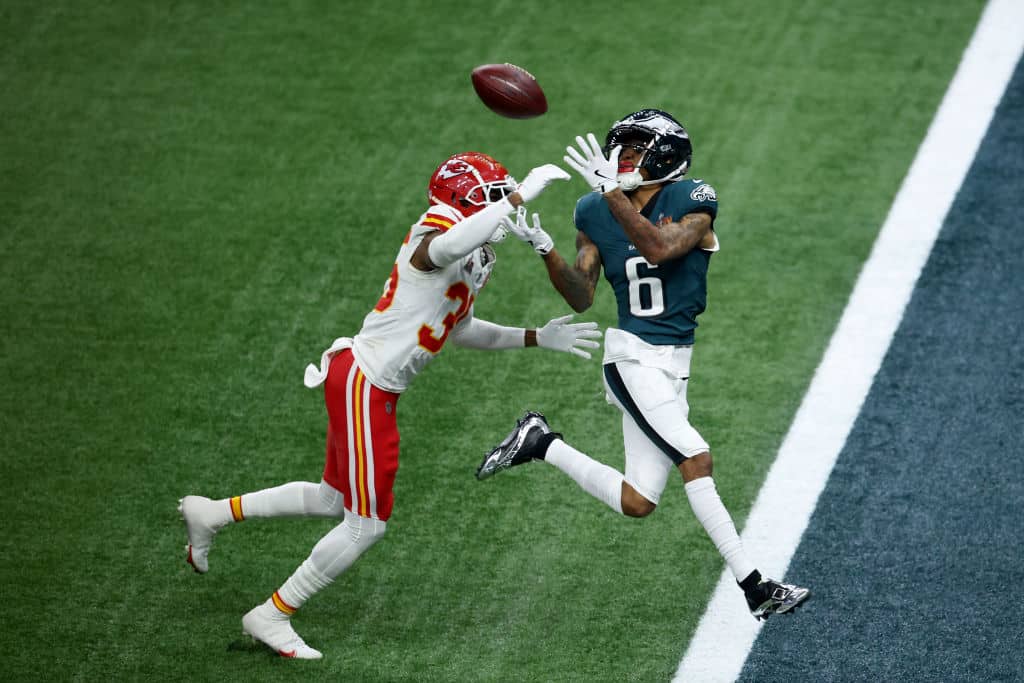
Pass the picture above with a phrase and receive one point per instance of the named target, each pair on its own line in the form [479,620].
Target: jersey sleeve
[701,197]
[464,235]
[584,208]
[437,218]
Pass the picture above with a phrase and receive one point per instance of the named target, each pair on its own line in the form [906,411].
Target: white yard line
[783,508]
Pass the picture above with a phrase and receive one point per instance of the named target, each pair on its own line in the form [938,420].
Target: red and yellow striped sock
[236,508]
[281,605]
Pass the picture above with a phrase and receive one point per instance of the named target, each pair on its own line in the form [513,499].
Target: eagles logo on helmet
[662,140]
[470,181]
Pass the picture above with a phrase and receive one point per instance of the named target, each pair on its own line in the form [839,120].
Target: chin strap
[630,180]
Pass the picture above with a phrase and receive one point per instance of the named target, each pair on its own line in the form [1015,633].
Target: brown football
[509,90]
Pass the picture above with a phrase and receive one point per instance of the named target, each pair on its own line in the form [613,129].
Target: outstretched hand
[534,236]
[561,335]
[539,178]
[589,161]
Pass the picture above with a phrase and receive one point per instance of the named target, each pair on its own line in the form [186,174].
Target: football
[509,90]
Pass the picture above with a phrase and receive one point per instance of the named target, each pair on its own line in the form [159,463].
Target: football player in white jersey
[443,263]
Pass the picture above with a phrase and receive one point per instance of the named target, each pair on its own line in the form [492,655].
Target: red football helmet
[470,181]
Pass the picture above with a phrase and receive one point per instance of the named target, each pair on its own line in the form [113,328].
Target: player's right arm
[442,250]
[576,283]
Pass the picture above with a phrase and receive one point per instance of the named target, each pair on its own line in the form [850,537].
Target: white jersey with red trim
[417,311]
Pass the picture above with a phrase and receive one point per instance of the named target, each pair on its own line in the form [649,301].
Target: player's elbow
[579,301]
[655,254]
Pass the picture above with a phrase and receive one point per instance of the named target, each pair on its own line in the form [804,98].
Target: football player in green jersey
[653,234]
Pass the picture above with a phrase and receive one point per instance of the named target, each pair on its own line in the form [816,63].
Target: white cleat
[203,517]
[267,625]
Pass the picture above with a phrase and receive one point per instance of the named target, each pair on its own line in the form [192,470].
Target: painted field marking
[809,451]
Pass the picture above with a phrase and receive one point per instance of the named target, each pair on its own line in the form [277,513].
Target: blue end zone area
[916,549]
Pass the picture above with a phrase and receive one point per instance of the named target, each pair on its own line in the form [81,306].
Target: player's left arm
[558,335]
[669,239]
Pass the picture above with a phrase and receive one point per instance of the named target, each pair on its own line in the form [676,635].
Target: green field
[196,198]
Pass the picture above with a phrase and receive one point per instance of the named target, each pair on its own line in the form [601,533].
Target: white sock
[715,519]
[294,499]
[331,556]
[597,479]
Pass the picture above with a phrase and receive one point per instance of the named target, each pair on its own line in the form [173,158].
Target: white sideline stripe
[784,505]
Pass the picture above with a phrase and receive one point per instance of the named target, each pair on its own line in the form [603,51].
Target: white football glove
[561,335]
[602,174]
[499,235]
[535,236]
[539,178]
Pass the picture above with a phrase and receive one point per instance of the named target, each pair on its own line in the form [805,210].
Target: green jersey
[658,303]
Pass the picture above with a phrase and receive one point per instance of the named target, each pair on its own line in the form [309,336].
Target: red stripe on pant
[361,461]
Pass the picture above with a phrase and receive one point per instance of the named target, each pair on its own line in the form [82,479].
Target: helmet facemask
[487,193]
[469,182]
[662,142]
[641,142]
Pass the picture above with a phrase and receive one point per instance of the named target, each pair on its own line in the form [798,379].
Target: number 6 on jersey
[655,297]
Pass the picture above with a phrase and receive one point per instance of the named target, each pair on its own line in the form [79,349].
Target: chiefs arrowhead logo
[453,168]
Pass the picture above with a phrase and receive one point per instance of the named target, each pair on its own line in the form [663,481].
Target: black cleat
[771,597]
[522,445]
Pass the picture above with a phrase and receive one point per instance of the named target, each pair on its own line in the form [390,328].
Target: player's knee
[344,543]
[634,504]
[324,501]
[364,531]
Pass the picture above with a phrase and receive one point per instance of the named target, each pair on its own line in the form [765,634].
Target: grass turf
[195,200]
